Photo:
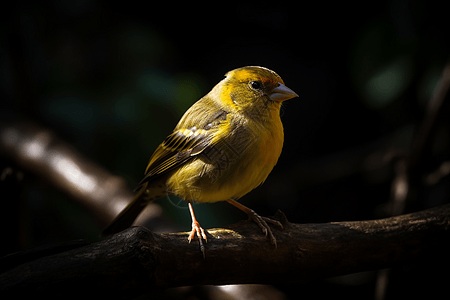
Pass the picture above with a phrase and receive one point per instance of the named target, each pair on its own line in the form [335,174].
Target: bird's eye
[256,85]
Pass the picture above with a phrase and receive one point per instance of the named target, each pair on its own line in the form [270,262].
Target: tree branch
[42,152]
[137,260]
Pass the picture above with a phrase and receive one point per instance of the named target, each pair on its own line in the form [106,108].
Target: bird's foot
[198,230]
[262,223]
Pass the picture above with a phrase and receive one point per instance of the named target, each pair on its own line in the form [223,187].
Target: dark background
[113,79]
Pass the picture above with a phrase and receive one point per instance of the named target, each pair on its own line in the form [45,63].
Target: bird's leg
[197,229]
[261,221]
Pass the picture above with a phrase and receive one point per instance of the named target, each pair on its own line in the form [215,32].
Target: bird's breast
[239,162]
[267,147]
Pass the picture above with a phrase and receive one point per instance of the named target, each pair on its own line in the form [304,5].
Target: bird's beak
[282,93]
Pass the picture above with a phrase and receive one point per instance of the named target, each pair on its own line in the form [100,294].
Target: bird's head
[253,88]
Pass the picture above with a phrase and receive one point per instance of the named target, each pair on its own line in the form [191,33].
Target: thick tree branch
[137,260]
[42,152]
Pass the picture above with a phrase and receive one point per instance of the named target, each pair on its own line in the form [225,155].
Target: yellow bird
[224,146]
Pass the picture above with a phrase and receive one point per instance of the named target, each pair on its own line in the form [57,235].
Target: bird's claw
[274,222]
[262,223]
[200,232]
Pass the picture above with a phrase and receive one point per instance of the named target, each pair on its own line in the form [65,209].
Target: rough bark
[137,260]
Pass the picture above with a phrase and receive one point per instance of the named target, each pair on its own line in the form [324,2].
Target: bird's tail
[127,216]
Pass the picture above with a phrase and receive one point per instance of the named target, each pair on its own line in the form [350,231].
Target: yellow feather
[224,146]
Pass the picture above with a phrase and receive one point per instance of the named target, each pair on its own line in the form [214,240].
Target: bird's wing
[192,135]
